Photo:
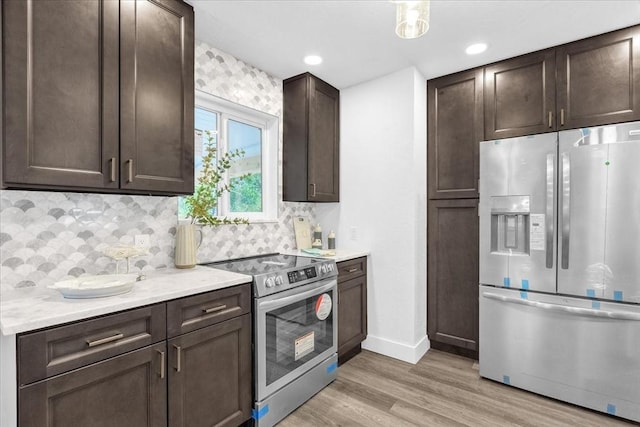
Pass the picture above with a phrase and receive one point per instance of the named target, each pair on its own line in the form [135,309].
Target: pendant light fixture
[412,18]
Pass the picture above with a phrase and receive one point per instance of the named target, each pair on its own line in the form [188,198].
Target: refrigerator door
[599,207]
[517,212]
[582,203]
[622,240]
[573,349]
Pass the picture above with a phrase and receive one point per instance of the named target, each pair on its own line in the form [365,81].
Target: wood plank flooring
[440,390]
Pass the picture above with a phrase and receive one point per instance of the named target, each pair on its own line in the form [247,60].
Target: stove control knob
[323,269]
[279,280]
[330,267]
[269,282]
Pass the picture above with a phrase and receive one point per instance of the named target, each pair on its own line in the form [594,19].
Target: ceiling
[358,43]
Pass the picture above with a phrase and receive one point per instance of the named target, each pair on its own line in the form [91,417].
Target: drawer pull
[95,343]
[214,309]
[352,270]
[161,363]
[178,357]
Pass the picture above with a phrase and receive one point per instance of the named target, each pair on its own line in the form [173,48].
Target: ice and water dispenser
[510,225]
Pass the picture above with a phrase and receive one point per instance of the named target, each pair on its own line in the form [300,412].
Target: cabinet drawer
[347,270]
[191,313]
[60,349]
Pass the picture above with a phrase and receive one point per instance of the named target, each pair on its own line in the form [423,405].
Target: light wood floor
[441,390]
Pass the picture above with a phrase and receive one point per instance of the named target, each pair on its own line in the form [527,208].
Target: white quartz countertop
[27,309]
[341,254]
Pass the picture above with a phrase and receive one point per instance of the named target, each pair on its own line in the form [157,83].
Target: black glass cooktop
[264,264]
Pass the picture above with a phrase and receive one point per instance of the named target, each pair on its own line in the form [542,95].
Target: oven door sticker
[323,306]
[304,345]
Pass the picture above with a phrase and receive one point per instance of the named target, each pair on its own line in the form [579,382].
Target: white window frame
[270,140]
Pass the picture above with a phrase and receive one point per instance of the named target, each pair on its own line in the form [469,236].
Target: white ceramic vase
[186,245]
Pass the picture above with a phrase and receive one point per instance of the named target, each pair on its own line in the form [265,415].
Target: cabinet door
[324,133]
[352,314]
[60,94]
[210,375]
[599,80]
[156,96]
[455,127]
[127,390]
[520,96]
[452,265]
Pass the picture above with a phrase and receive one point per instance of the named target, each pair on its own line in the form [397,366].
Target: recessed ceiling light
[474,49]
[312,60]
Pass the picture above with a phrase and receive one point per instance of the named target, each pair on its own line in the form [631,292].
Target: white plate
[96,286]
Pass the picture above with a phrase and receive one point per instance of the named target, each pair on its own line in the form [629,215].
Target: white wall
[383,205]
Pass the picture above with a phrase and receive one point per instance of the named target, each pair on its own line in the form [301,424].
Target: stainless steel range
[295,330]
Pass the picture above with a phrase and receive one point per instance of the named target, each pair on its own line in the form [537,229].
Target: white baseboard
[401,351]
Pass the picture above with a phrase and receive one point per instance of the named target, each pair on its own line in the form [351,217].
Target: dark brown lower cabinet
[123,370]
[352,307]
[210,375]
[452,265]
[126,390]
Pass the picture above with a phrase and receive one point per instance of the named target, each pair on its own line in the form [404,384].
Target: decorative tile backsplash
[49,236]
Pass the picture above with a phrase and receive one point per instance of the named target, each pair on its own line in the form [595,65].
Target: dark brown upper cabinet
[311,140]
[455,127]
[599,80]
[520,96]
[589,82]
[98,96]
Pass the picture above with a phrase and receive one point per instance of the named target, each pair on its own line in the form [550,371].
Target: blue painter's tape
[591,293]
[525,284]
[506,282]
[506,380]
[523,295]
[332,367]
[595,304]
[257,414]
[617,295]
[611,409]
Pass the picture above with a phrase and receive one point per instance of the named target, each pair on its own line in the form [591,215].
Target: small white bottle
[331,240]
[317,233]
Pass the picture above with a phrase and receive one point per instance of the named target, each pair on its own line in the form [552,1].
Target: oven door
[295,330]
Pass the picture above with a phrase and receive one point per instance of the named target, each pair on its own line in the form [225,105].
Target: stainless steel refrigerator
[560,265]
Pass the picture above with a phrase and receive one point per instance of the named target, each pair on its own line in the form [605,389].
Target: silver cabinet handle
[352,270]
[549,220]
[112,177]
[161,363]
[550,119]
[95,343]
[562,117]
[178,357]
[130,170]
[618,315]
[313,192]
[214,309]
[565,218]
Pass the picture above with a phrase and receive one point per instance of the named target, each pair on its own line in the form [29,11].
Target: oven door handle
[282,302]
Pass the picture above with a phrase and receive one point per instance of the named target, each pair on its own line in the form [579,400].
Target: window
[231,127]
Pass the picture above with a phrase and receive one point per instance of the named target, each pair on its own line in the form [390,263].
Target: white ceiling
[358,42]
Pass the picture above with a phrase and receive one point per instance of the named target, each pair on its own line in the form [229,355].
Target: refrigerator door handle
[566,210]
[617,315]
[549,221]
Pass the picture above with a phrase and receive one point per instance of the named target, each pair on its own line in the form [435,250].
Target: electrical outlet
[142,241]
[354,233]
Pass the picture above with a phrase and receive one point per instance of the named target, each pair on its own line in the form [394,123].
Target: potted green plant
[202,205]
